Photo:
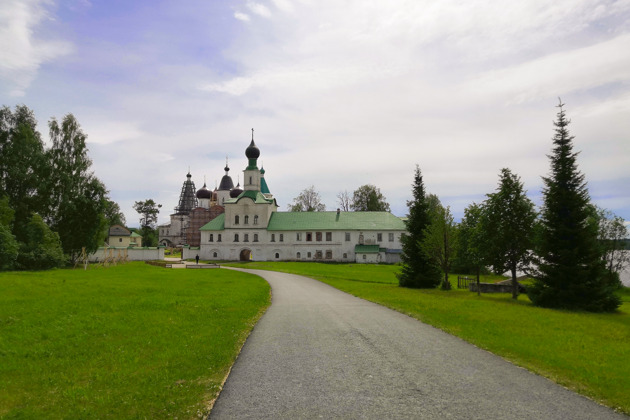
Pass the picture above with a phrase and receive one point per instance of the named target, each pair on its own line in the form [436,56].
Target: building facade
[252,228]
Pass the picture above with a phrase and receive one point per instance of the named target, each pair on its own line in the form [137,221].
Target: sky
[340,93]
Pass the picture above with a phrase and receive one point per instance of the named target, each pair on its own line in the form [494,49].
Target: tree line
[571,248]
[51,203]
[365,198]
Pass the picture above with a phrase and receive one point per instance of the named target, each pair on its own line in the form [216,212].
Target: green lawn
[589,353]
[131,341]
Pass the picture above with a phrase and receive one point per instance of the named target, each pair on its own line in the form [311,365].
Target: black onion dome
[204,192]
[252,152]
[226,182]
[236,191]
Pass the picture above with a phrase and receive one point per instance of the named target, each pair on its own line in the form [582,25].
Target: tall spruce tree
[571,272]
[418,270]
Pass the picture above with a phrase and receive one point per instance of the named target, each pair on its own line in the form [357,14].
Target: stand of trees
[572,249]
[52,204]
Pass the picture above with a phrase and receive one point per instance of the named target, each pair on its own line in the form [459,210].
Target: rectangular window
[219,237]
[273,237]
[119,239]
[246,237]
[246,220]
[282,237]
[308,255]
[236,220]
[391,237]
[309,237]
[318,255]
[347,236]
[298,236]
[318,236]
[329,255]
[329,236]
[236,237]
[211,239]
[255,237]
[379,237]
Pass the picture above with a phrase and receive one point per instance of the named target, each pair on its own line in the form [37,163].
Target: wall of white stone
[133,254]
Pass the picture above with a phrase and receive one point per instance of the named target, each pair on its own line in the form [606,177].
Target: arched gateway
[245,255]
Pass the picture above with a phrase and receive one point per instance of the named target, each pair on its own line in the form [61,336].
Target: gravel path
[321,353]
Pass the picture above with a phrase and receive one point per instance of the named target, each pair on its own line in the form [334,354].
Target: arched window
[236,237]
[214,254]
[211,238]
[246,237]
[256,219]
[236,220]
[246,219]
[277,255]
[299,255]
[219,237]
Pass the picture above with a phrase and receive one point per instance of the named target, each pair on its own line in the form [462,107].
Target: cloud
[23,53]
[259,9]
[560,73]
[241,16]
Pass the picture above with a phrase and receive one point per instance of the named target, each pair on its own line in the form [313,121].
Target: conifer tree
[571,272]
[418,270]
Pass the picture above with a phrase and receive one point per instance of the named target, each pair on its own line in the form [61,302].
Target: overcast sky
[340,93]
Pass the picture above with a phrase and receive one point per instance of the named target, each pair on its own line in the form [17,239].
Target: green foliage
[23,165]
[507,224]
[368,198]
[78,198]
[469,256]
[149,236]
[42,249]
[440,240]
[148,211]
[572,273]
[612,234]
[308,200]
[124,342]
[582,351]
[8,248]
[418,271]
[7,214]
[113,215]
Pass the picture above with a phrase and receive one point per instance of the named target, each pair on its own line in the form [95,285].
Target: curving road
[321,353]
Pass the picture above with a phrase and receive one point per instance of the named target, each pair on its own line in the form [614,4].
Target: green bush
[42,249]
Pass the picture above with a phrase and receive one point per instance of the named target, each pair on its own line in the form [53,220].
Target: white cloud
[560,73]
[242,16]
[259,9]
[22,52]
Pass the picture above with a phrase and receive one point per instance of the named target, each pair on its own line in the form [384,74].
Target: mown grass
[131,341]
[586,352]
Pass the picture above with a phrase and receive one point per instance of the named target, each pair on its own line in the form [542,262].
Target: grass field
[131,341]
[589,353]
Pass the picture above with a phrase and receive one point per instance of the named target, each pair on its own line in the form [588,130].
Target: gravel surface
[321,353]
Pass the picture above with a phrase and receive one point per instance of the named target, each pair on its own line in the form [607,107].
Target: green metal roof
[330,220]
[366,249]
[218,223]
[256,196]
[263,186]
[135,235]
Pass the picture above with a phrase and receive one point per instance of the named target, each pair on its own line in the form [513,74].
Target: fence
[464,281]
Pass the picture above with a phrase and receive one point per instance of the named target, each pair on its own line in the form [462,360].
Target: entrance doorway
[246,254]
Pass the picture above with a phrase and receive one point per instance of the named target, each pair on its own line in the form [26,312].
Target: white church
[252,228]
